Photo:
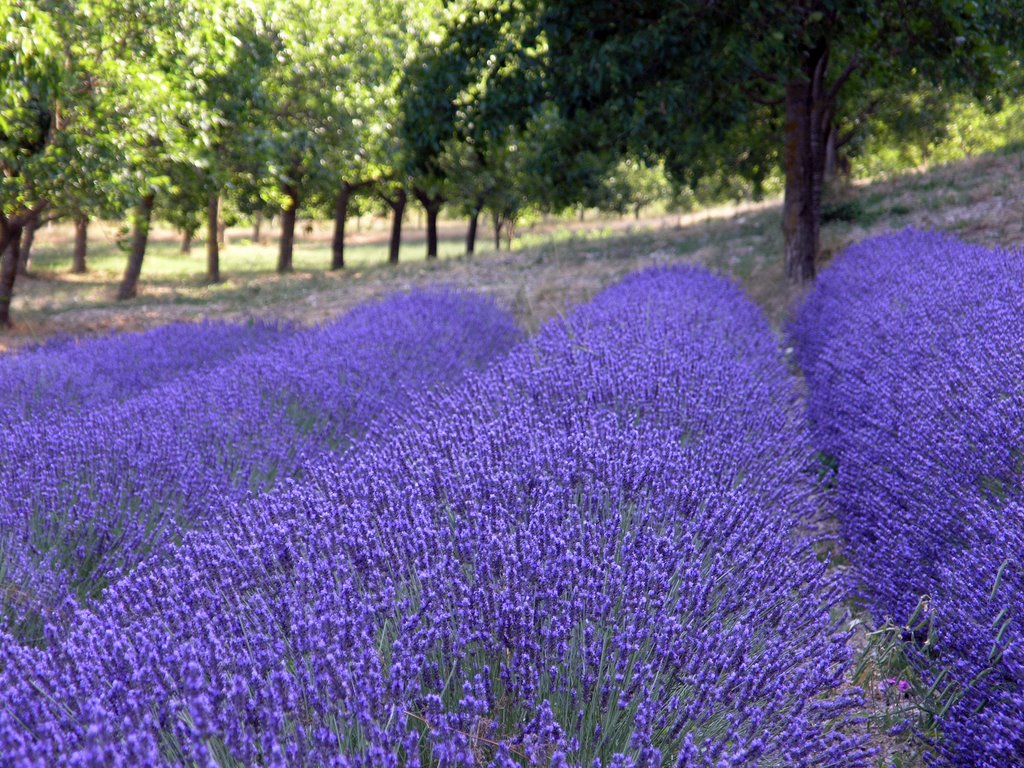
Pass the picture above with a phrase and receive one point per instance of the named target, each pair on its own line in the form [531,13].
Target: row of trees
[168,107]
[164,107]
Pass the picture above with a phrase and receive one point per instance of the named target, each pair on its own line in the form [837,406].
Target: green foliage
[473,128]
[292,121]
[633,185]
[30,75]
[32,80]
[845,210]
[702,85]
[906,708]
[324,101]
[513,106]
[920,131]
[115,95]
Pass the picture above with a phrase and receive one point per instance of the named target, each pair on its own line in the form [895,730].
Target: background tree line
[176,108]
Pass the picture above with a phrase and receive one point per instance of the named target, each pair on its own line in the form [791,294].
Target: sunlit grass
[165,261]
[248,270]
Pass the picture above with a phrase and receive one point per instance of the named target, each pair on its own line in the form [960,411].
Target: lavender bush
[67,375]
[84,497]
[586,555]
[913,347]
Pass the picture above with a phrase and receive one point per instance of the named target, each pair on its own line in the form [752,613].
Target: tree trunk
[81,245]
[496,220]
[340,216]
[186,241]
[28,236]
[291,210]
[257,222]
[397,205]
[831,155]
[636,212]
[213,233]
[432,205]
[474,218]
[808,116]
[140,236]
[432,214]
[222,227]
[8,272]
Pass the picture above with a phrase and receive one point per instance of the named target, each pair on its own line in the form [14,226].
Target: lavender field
[639,537]
[913,346]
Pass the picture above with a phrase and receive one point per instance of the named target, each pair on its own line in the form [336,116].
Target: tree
[363,150]
[78,259]
[213,236]
[233,151]
[32,79]
[62,148]
[396,197]
[633,185]
[747,86]
[469,184]
[402,31]
[466,102]
[28,237]
[309,134]
[184,202]
[171,50]
[430,89]
[104,100]
[507,193]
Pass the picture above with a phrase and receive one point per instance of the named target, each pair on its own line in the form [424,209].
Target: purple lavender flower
[65,375]
[913,347]
[586,555]
[86,496]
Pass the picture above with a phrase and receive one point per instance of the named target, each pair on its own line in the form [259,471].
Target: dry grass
[551,267]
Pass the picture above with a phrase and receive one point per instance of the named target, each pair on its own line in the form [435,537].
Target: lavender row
[65,375]
[587,555]
[913,347]
[85,497]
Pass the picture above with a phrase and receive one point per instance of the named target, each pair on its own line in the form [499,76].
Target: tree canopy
[755,86]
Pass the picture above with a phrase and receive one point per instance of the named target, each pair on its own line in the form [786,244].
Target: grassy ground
[551,266]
